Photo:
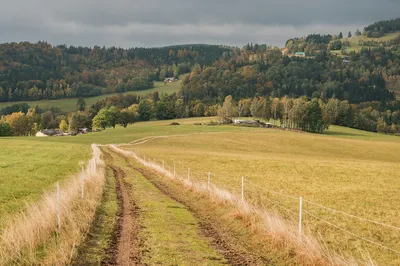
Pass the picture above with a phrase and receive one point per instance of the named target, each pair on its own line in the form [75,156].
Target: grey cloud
[159,22]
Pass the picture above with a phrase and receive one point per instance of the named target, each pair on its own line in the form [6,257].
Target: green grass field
[355,45]
[30,166]
[69,105]
[350,170]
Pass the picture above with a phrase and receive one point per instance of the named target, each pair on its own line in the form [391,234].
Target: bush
[5,129]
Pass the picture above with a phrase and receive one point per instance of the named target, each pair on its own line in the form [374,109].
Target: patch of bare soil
[125,244]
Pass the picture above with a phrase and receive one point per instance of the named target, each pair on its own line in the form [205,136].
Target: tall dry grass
[32,237]
[282,234]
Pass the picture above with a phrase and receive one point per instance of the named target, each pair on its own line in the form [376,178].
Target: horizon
[148,25]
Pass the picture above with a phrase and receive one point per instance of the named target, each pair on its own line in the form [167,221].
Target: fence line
[277,204]
[353,234]
[257,186]
[271,191]
[301,207]
[327,208]
[353,216]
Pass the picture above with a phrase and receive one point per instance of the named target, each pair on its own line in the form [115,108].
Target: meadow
[68,105]
[29,167]
[348,170]
[355,41]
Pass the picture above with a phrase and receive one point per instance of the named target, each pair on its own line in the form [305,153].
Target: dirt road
[155,226]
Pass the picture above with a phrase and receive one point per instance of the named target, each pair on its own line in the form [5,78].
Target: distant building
[285,51]
[300,54]
[83,130]
[251,123]
[170,79]
[346,59]
[49,133]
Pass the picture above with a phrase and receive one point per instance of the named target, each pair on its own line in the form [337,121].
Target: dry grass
[32,238]
[355,173]
[282,234]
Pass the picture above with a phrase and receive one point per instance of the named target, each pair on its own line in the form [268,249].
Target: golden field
[348,170]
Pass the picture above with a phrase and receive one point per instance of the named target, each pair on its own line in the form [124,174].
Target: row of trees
[313,115]
[299,113]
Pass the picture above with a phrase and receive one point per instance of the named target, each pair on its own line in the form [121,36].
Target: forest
[269,74]
[36,71]
[378,29]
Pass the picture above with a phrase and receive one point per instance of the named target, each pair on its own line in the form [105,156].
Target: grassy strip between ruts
[93,250]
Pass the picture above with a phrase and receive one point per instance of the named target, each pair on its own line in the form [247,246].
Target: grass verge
[32,237]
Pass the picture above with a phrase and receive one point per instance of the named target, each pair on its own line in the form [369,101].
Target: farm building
[48,133]
[346,59]
[300,54]
[249,122]
[170,79]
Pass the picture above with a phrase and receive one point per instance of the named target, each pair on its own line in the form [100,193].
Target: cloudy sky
[128,23]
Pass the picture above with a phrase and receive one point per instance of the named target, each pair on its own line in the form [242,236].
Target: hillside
[69,104]
[40,71]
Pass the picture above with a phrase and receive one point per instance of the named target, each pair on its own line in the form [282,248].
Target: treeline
[313,115]
[316,115]
[324,76]
[35,71]
[378,29]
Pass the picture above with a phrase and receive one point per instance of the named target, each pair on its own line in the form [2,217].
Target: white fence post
[58,208]
[242,188]
[83,183]
[300,218]
[209,180]
[189,174]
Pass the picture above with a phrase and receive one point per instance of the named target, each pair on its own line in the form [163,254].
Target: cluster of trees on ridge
[378,29]
[36,71]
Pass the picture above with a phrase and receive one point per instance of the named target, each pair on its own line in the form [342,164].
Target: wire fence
[296,208]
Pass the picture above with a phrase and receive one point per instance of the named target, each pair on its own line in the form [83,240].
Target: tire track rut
[124,248]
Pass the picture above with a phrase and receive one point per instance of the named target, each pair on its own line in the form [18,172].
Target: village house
[300,54]
[49,133]
[285,52]
[173,79]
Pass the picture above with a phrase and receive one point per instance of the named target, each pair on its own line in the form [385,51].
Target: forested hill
[378,29]
[34,71]
[354,68]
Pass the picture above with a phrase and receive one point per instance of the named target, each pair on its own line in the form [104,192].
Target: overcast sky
[129,23]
